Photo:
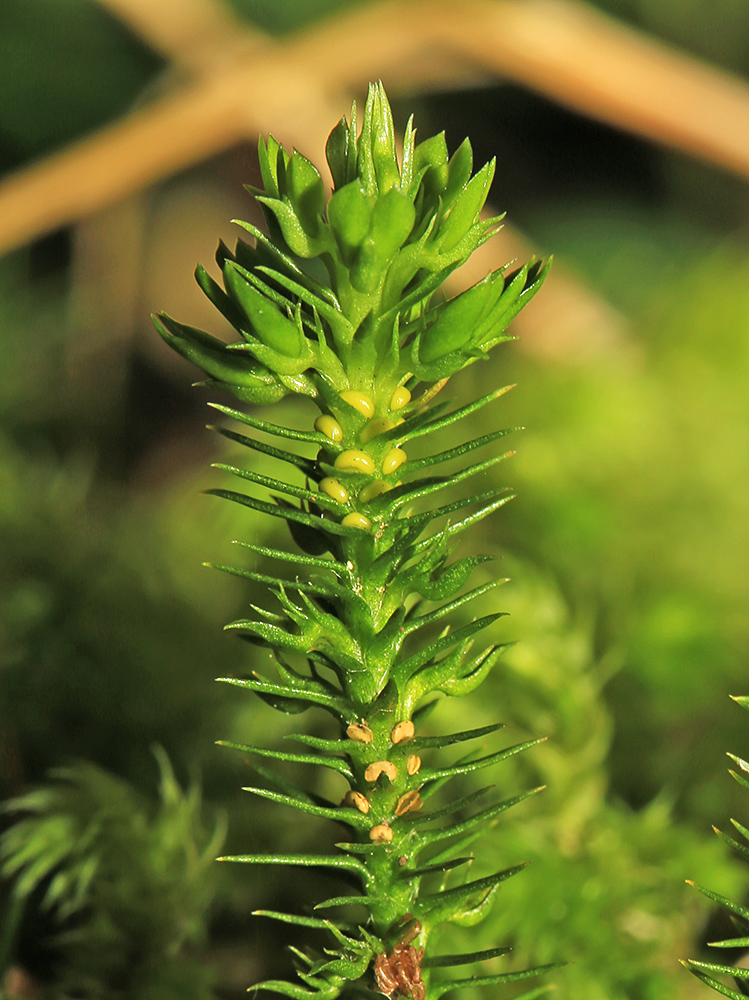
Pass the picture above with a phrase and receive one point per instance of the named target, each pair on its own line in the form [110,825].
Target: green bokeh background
[628,544]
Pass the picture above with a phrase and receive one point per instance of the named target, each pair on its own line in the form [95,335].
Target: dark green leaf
[347,901]
[302,860]
[450,772]
[442,866]
[444,961]
[439,613]
[294,557]
[313,437]
[306,465]
[474,822]
[738,911]
[438,742]
[408,668]
[439,989]
[739,848]
[262,687]
[350,816]
[457,451]
[285,513]
[453,808]
[447,899]
[335,763]
[270,483]
[729,970]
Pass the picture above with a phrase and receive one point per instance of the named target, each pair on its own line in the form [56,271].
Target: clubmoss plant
[738,914]
[126,884]
[339,303]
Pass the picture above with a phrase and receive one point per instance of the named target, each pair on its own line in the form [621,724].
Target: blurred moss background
[628,544]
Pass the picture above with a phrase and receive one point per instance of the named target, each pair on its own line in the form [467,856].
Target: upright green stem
[372,348]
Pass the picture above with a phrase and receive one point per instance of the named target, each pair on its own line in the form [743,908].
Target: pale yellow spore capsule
[402,731]
[329,426]
[379,767]
[356,461]
[357,800]
[372,490]
[377,426]
[409,802]
[401,398]
[356,520]
[381,834]
[413,764]
[334,490]
[360,401]
[393,460]
[360,733]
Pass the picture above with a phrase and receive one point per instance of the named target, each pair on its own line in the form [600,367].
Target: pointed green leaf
[738,778]
[319,742]
[285,513]
[459,170]
[457,451]
[268,156]
[407,874]
[456,847]
[270,483]
[423,620]
[290,227]
[323,589]
[497,499]
[327,306]
[493,758]
[313,437]
[269,324]
[453,808]
[219,298]
[306,465]
[479,819]
[465,211]
[409,667]
[444,961]
[739,911]
[742,829]
[350,816]
[339,705]
[306,193]
[479,515]
[334,763]
[729,970]
[406,431]
[341,862]
[441,905]
[454,325]
[439,989]
[296,919]
[328,904]
[741,849]
[336,152]
[725,991]
[439,742]
[296,992]
[535,273]
[449,579]
[294,557]
[241,375]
